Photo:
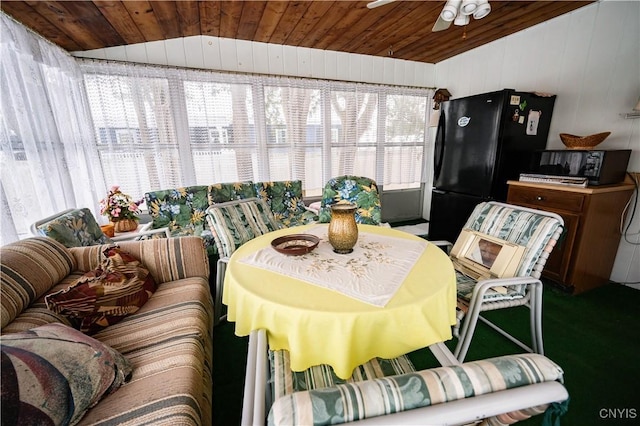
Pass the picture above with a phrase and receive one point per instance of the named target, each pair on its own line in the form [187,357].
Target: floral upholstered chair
[361,191]
[285,200]
[72,228]
[183,211]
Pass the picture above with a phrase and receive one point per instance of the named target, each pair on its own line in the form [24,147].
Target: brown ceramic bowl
[295,244]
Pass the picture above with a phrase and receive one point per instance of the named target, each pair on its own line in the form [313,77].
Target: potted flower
[121,209]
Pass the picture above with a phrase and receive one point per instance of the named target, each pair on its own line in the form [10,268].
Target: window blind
[170,127]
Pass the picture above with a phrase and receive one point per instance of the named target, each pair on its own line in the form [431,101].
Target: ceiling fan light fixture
[378,3]
[468,7]
[482,10]
[450,10]
[461,20]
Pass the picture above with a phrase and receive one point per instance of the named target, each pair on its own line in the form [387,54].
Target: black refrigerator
[481,142]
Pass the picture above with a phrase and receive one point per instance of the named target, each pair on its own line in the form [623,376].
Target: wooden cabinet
[586,251]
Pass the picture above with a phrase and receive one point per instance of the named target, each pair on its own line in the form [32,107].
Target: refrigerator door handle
[439,146]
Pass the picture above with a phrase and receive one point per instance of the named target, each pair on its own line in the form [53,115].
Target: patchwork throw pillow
[119,287]
[53,374]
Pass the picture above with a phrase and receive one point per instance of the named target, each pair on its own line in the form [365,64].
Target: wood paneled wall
[265,58]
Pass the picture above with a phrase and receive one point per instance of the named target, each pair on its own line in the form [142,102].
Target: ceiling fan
[456,11]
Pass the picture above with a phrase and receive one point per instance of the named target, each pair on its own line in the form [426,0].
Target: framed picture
[486,256]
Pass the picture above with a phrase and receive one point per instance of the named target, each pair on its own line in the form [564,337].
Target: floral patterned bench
[183,210]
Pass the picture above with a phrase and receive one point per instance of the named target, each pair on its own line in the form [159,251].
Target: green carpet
[592,336]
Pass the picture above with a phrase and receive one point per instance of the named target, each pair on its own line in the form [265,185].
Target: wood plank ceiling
[401,29]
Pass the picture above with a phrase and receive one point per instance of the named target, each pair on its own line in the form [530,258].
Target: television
[482,256]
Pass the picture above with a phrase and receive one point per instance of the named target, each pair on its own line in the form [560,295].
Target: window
[175,127]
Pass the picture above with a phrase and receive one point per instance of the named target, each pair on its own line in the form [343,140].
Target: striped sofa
[168,341]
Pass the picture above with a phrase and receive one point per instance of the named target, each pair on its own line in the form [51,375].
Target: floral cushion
[360,191]
[370,398]
[77,228]
[236,222]
[224,192]
[104,296]
[182,210]
[53,374]
[285,200]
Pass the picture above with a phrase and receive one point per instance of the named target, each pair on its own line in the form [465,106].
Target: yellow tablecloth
[320,326]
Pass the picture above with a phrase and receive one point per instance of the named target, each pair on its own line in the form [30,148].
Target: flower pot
[108,230]
[343,230]
[125,225]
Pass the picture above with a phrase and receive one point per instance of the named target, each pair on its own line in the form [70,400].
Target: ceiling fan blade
[440,25]
[378,3]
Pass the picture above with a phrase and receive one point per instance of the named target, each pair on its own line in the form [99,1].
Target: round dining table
[319,325]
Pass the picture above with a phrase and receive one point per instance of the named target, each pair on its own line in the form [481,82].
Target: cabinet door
[557,266]
[569,206]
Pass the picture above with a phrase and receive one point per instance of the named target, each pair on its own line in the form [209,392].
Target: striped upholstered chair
[499,391]
[232,224]
[535,230]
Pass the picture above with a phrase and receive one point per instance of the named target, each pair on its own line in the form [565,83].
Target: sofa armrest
[167,259]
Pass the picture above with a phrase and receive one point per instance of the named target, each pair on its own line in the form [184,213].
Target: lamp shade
[482,10]
[468,7]
[450,10]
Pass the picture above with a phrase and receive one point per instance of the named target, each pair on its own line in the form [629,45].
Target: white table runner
[372,273]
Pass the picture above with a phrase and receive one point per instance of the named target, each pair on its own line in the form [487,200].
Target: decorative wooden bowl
[295,244]
[582,142]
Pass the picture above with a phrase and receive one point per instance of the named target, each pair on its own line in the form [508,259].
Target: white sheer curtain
[47,151]
[71,128]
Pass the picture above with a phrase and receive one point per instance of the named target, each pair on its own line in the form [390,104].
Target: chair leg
[536,318]
[220,270]
[469,323]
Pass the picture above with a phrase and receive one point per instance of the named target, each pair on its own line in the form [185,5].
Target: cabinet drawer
[546,198]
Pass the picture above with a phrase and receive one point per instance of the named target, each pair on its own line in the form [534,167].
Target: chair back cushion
[183,211]
[180,208]
[28,269]
[536,231]
[349,402]
[361,191]
[225,192]
[236,222]
[285,200]
[285,381]
[77,228]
